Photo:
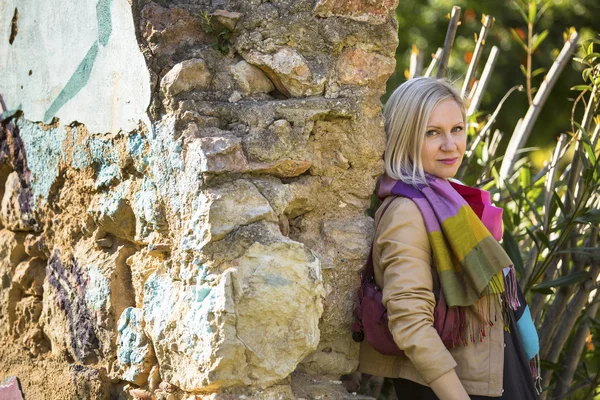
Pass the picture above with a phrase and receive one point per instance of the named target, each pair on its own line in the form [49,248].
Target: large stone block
[374,12]
[250,79]
[220,210]
[359,67]
[289,72]
[251,325]
[187,75]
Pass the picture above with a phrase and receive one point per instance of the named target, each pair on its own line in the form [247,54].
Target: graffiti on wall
[66,67]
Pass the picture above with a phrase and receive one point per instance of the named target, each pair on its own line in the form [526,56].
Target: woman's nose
[448,143]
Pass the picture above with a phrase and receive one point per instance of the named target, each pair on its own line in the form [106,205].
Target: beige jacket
[402,265]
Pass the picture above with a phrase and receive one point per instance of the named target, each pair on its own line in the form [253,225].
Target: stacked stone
[214,251]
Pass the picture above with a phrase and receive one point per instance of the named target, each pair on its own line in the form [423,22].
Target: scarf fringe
[536,373]
[501,297]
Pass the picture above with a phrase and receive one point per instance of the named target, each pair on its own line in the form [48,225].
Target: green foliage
[222,36]
[424,25]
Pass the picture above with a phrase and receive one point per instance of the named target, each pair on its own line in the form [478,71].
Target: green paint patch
[104,21]
[78,80]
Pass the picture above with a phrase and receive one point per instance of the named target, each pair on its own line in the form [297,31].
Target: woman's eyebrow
[437,127]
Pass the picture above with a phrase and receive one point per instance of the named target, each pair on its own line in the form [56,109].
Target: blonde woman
[435,233]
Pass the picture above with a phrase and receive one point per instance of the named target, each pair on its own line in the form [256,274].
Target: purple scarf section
[445,199]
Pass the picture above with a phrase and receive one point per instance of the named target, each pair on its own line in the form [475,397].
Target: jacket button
[502,390]
[504,344]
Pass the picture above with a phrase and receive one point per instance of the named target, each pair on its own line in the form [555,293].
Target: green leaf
[559,202]
[523,70]
[590,48]
[591,216]
[570,279]
[543,238]
[543,290]
[518,38]
[512,249]
[538,39]
[532,11]
[538,72]
[581,87]
[591,56]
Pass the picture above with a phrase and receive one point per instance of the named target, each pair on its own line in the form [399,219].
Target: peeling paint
[44,152]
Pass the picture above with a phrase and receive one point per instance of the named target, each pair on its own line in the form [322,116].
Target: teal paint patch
[191,304]
[132,344]
[136,145]
[43,149]
[103,153]
[81,157]
[78,80]
[104,21]
[97,290]
[110,203]
[148,210]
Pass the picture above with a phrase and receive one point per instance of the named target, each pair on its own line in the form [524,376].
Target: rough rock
[356,67]
[227,18]
[167,29]
[113,213]
[14,212]
[373,12]
[250,79]
[185,76]
[219,154]
[29,276]
[134,352]
[192,329]
[264,311]
[289,72]
[222,209]
[142,264]
[84,296]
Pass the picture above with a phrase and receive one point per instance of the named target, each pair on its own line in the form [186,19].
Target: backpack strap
[368,273]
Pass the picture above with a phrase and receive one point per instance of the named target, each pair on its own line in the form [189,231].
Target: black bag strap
[368,273]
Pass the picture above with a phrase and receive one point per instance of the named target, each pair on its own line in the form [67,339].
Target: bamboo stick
[521,134]
[486,25]
[434,62]
[449,42]
[483,82]
[416,63]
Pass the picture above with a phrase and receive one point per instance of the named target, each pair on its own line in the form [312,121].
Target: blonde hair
[406,114]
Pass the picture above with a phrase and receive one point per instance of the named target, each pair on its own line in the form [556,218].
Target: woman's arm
[405,258]
[448,387]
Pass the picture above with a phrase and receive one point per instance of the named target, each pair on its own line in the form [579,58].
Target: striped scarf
[463,229]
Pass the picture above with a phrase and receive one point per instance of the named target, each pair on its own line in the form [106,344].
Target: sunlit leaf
[568,280]
[591,216]
[518,38]
[512,249]
[581,87]
[538,39]
[532,11]
[538,72]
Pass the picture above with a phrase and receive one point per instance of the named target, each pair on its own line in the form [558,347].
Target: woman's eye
[431,133]
[457,129]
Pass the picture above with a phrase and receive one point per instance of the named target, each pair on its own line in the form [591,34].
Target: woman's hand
[448,387]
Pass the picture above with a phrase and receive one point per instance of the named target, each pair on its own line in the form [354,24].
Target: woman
[428,236]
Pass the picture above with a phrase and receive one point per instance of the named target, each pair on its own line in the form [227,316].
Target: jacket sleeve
[405,259]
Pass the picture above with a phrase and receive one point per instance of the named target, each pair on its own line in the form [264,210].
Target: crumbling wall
[184,187]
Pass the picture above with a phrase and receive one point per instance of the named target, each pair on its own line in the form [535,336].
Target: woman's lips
[449,161]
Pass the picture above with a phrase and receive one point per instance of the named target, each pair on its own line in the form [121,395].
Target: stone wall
[184,187]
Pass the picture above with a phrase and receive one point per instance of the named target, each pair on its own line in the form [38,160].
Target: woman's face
[445,140]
